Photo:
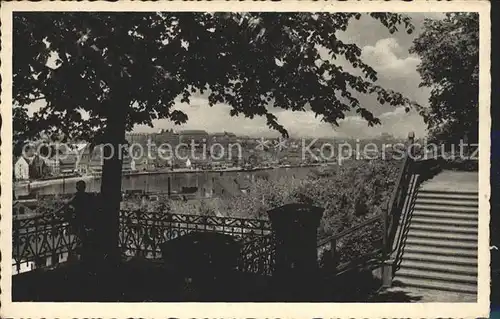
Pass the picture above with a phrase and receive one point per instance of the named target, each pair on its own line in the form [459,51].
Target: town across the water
[42,164]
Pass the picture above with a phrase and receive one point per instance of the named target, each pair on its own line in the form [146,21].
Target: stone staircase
[440,247]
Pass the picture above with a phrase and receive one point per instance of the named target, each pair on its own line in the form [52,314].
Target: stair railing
[401,230]
[392,213]
[334,261]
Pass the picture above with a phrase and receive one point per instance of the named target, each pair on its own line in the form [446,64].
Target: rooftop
[193,132]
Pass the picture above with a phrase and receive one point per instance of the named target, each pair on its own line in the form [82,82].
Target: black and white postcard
[257,159]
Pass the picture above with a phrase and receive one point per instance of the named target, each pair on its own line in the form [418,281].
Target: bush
[349,194]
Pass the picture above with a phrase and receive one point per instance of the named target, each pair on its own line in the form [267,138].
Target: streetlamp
[411,137]
[411,142]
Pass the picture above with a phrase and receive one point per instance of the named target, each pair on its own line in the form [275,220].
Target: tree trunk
[111,185]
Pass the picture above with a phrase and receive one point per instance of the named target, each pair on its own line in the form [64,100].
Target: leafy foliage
[359,243]
[449,50]
[84,63]
[350,194]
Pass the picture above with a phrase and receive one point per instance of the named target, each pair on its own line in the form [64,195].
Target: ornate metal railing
[41,241]
[141,233]
[351,247]
[45,240]
[258,255]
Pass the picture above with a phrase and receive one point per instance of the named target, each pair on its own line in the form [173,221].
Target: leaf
[449,54]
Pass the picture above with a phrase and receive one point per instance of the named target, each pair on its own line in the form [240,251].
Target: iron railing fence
[47,240]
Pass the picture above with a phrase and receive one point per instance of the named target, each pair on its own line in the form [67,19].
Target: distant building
[21,169]
[38,168]
[168,137]
[138,138]
[67,164]
[94,160]
[142,164]
[95,165]
[83,159]
[201,164]
[226,139]
[128,165]
[53,164]
[226,136]
[148,164]
[196,136]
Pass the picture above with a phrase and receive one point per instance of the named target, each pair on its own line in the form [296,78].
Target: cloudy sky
[386,53]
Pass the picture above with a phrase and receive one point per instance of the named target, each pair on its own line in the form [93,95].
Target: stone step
[439,235]
[436,285]
[447,196]
[445,259]
[439,267]
[419,220]
[431,243]
[462,216]
[443,228]
[437,276]
[447,202]
[439,251]
[443,206]
[438,192]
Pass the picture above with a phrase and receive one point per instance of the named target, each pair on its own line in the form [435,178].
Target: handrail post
[397,200]
[16,245]
[385,239]
[387,263]
[333,252]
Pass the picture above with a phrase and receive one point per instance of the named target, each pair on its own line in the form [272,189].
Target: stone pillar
[295,228]
[465,143]
[411,141]
[387,266]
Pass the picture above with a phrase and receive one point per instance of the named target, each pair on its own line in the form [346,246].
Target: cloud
[384,57]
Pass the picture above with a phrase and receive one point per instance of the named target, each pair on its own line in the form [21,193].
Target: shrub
[349,194]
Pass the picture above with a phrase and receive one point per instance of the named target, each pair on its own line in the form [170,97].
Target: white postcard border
[247,310]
